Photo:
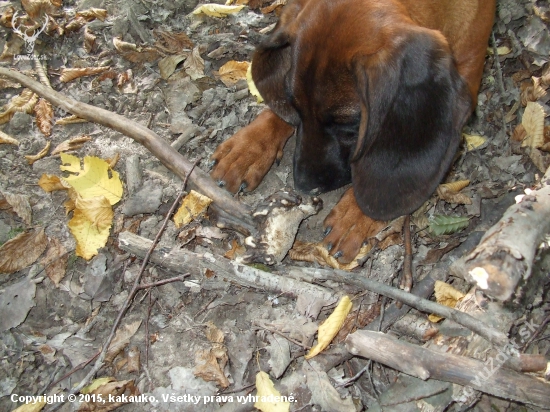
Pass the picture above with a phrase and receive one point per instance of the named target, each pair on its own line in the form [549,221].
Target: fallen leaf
[192,206]
[167,66]
[217,10]
[121,339]
[323,393]
[15,303]
[44,116]
[446,295]
[172,43]
[473,141]
[448,192]
[274,6]
[92,179]
[268,395]
[73,119]
[501,51]
[210,364]
[194,65]
[317,252]
[22,251]
[251,86]
[55,261]
[41,154]
[533,122]
[235,251]
[71,144]
[135,54]
[114,395]
[233,71]
[31,407]
[92,14]
[7,139]
[20,205]
[330,327]
[446,225]
[24,102]
[213,334]
[51,183]
[74,73]
[90,225]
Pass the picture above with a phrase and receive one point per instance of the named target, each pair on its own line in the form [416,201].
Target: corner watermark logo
[29,40]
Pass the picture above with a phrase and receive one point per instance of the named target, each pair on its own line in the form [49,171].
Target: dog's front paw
[347,228]
[279,218]
[242,161]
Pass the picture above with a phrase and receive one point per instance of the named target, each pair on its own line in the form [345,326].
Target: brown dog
[377,92]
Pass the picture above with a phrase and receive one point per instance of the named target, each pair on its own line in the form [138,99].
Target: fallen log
[231,212]
[504,257]
[488,377]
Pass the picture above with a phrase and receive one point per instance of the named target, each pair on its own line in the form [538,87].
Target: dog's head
[375,100]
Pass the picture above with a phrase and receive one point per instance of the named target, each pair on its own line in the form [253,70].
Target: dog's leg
[348,228]
[242,161]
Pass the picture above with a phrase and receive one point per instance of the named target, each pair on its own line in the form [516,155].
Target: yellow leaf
[251,86]
[191,207]
[31,407]
[90,225]
[446,295]
[501,51]
[473,142]
[233,71]
[456,186]
[269,397]
[217,10]
[330,328]
[96,384]
[533,122]
[92,180]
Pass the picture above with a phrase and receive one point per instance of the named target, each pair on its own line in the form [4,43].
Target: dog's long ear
[413,106]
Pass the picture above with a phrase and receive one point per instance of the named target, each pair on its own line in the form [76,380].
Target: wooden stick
[232,212]
[299,280]
[488,377]
[505,254]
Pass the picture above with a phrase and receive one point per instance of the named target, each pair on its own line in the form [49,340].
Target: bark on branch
[235,214]
[504,257]
[429,364]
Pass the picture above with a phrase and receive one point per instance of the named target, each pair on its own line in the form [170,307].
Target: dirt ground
[64,323]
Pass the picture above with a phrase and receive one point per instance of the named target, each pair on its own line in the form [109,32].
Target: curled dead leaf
[317,252]
[136,54]
[44,116]
[217,10]
[449,192]
[92,14]
[7,139]
[72,144]
[74,73]
[210,364]
[533,122]
[24,102]
[532,91]
[73,119]
[89,40]
[172,43]
[33,158]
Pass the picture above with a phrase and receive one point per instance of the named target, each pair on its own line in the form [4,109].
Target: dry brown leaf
[135,54]
[235,251]
[124,78]
[533,122]
[44,116]
[539,159]
[55,261]
[7,139]
[273,6]
[22,251]
[20,205]
[75,24]
[213,334]
[532,91]
[519,133]
[172,43]
[73,119]
[210,364]
[358,320]
[133,364]
[317,252]
[6,17]
[50,183]
[70,74]
[89,40]
[233,71]
[24,102]
[37,8]
[12,47]
[194,65]
[33,158]
[92,14]
[121,340]
[167,66]
[112,161]
[113,393]
[448,192]
[72,144]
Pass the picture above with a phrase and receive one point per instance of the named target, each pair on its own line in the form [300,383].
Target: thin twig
[407,277]
[163,282]
[286,337]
